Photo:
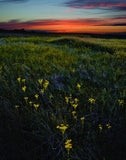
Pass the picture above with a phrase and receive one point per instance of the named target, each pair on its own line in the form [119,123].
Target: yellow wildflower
[67,99]
[71,102]
[75,106]
[73,70]
[40,81]
[46,83]
[92,100]
[58,127]
[76,100]
[19,79]
[109,127]
[121,102]
[36,96]
[75,117]
[62,127]
[50,96]
[42,91]
[17,106]
[30,103]
[70,96]
[23,80]
[100,127]
[26,99]
[74,112]
[24,88]
[78,85]
[82,120]
[36,106]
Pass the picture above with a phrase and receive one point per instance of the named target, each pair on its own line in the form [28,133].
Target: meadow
[62,98]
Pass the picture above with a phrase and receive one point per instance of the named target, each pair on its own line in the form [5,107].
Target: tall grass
[86,93]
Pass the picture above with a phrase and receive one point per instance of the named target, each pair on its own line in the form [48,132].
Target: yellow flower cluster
[92,100]
[19,79]
[24,88]
[23,80]
[108,125]
[68,145]
[36,96]
[36,106]
[76,100]
[46,83]
[67,99]
[75,106]
[40,81]
[62,127]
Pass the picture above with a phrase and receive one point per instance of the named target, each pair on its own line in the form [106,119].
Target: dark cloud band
[89,4]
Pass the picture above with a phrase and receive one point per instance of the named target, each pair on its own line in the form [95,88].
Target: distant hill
[22,32]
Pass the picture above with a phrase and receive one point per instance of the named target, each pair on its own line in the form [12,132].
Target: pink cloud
[69,10]
[99,5]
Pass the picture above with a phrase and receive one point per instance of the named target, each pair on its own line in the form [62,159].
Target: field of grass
[62,98]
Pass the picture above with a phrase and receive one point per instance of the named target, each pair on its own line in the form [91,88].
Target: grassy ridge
[74,69]
[110,46]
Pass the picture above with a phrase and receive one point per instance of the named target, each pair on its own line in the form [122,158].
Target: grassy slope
[96,64]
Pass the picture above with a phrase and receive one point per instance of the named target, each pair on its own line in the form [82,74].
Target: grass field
[62,98]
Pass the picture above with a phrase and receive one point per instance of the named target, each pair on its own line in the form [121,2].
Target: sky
[80,16]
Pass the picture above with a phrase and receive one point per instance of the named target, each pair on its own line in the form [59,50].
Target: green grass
[98,65]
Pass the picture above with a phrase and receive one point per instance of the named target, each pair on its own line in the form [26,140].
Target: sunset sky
[82,16]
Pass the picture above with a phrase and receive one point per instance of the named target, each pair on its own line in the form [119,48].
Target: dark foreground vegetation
[57,89]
